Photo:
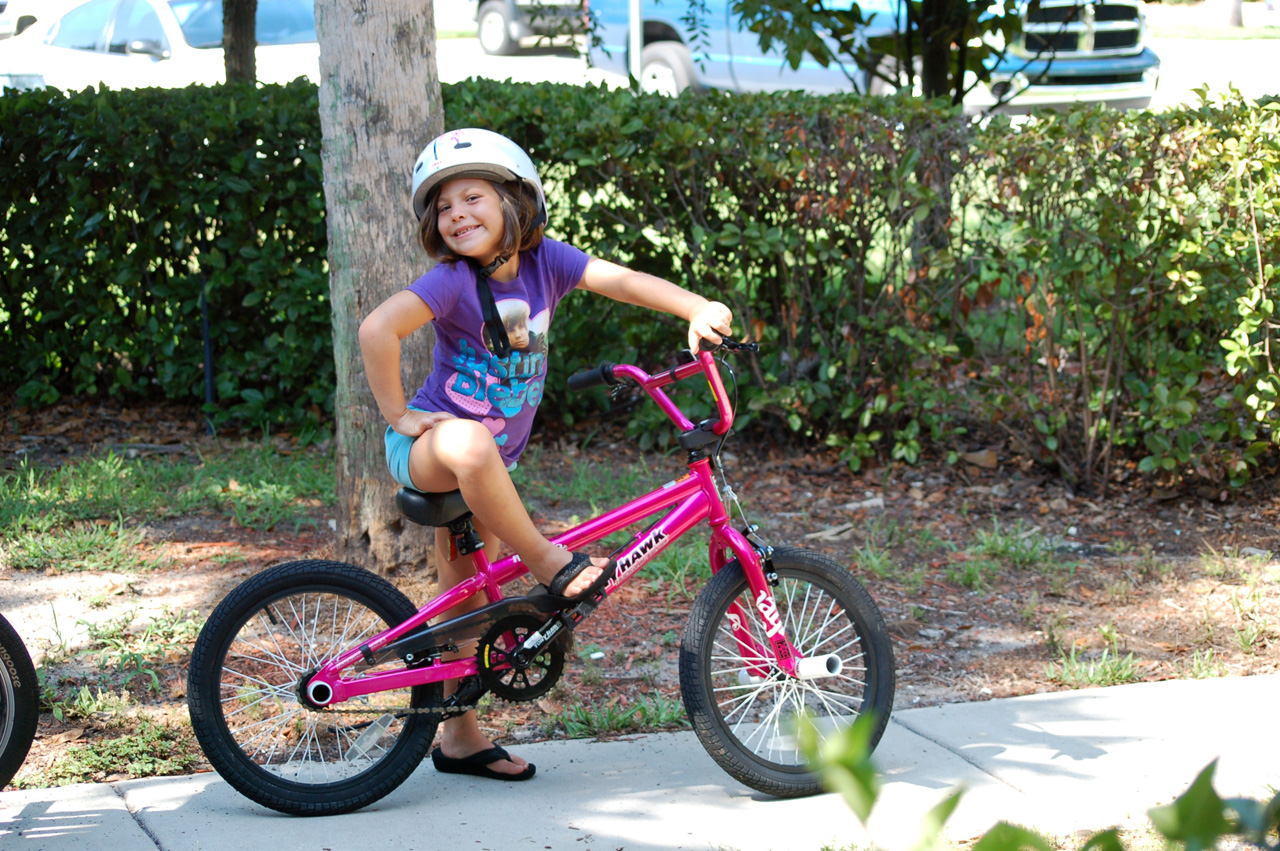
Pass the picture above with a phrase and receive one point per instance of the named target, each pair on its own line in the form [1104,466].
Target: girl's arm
[708,320]
[380,336]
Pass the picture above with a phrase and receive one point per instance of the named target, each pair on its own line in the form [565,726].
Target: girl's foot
[559,558]
[466,740]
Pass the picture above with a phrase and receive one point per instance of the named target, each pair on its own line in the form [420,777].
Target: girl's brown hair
[519,208]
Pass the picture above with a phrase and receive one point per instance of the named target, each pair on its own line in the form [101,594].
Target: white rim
[761,712]
[660,79]
[493,31]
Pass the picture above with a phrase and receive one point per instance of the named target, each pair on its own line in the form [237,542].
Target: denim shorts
[398,446]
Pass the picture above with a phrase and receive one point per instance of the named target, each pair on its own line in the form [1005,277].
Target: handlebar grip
[601,375]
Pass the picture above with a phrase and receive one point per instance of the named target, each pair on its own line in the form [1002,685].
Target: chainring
[500,671]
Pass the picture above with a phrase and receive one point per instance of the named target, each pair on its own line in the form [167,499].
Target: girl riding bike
[481,212]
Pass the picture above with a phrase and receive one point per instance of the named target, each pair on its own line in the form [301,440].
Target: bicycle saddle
[432,509]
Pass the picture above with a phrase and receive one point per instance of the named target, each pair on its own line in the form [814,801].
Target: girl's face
[469,217]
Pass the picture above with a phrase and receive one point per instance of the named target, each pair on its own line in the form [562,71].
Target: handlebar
[602,374]
[615,374]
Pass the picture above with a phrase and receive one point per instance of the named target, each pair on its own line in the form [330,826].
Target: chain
[401,710]
[448,711]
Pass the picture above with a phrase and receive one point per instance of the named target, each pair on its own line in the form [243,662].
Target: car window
[136,21]
[82,28]
[277,21]
[286,22]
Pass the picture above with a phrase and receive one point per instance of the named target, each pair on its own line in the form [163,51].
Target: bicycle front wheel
[19,702]
[743,708]
[260,643]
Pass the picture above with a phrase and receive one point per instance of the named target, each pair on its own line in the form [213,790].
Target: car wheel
[494,30]
[665,68]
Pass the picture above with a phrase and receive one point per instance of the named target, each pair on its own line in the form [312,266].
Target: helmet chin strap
[493,323]
[489,306]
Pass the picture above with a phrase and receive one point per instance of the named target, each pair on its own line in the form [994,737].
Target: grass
[1203,666]
[876,560]
[138,651]
[124,653]
[650,712]
[80,545]
[1108,669]
[254,483]
[154,750]
[682,568]
[1020,547]
[973,573]
[1253,636]
[598,484]
[72,517]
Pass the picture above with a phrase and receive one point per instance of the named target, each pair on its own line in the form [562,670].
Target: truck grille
[1092,80]
[1070,27]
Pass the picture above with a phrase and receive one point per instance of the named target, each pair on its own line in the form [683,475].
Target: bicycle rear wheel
[242,691]
[743,708]
[19,702]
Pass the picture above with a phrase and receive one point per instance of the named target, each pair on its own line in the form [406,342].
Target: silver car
[126,44]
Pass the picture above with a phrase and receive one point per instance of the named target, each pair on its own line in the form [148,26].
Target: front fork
[756,560]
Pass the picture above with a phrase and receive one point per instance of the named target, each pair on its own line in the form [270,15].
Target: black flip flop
[578,563]
[477,765]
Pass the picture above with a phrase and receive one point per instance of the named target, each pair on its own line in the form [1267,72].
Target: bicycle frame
[688,501]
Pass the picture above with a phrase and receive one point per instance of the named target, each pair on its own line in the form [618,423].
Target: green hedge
[120,207]
[1095,285]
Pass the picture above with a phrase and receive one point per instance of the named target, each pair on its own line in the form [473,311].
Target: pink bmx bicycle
[316,686]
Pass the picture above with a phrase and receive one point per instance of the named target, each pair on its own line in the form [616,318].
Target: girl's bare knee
[450,450]
[464,446]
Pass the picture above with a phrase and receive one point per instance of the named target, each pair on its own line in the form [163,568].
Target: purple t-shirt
[467,379]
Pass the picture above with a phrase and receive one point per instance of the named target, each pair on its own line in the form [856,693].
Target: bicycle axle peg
[817,667]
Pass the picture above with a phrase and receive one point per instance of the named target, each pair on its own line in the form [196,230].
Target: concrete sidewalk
[1058,762]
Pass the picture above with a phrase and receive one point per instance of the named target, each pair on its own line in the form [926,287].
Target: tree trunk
[380,104]
[936,33]
[240,40]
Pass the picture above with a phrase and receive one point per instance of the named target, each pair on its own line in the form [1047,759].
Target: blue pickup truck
[1069,51]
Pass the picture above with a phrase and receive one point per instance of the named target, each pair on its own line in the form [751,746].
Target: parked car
[501,24]
[127,44]
[18,15]
[1071,50]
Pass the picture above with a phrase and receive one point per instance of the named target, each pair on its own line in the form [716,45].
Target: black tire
[665,68]
[746,723]
[243,698]
[493,29]
[19,702]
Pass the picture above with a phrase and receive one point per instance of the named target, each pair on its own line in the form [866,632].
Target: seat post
[463,538]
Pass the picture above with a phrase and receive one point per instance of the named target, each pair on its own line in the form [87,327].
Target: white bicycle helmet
[472,152]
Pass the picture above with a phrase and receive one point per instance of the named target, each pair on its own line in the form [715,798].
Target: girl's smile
[469,216]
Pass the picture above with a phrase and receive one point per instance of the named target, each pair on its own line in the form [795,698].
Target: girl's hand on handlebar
[414,423]
[710,322]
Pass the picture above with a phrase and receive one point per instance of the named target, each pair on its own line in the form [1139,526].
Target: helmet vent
[463,145]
